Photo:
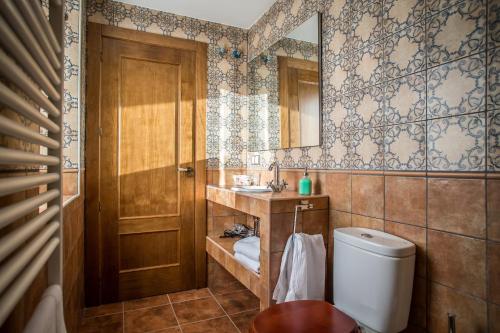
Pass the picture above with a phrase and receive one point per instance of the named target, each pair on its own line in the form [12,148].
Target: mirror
[285,91]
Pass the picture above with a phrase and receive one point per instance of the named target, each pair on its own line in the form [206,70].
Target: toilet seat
[303,317]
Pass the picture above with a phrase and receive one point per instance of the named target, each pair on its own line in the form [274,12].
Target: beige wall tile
[494,317]
[220,210]
[416,235]
[405,200]
[494,272]
[339,219]
[470,312]
[418,310]
[368,195]
[316,222]
[281,229]
[493,210]
[361,221]
[288,206]
[275,261]
[70,182]
[221,223]
[457,205]
[457,261]
[338,187]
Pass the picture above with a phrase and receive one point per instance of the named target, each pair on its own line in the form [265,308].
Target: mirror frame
[320,81]
[320,73]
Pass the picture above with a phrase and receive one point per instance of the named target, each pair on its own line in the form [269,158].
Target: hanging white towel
[49,315]
[249,246]
[247,262]
[302,271]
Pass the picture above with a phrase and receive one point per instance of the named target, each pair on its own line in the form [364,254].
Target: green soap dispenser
[305,184]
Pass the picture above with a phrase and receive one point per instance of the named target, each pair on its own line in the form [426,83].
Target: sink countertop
[268,196]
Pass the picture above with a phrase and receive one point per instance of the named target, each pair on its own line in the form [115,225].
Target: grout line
[173,310]
[238,313]
[102,315]
[217,301]
[161,329]
[188,300]
[146,306]
[123,317]
[427,264]
[203,320]
[460,291]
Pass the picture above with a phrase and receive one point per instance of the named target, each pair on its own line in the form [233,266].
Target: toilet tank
[373,278]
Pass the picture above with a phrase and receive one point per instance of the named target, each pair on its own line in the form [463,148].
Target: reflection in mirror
[284,89]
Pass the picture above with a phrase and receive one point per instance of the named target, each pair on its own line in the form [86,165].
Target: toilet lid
[303,317]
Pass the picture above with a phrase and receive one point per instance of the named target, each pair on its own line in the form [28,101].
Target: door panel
[149,107]
[147,215]
[149,250]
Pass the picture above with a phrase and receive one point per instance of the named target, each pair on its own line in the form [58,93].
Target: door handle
[189,171]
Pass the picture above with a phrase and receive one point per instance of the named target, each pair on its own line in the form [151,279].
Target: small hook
[236,53]
[222,51]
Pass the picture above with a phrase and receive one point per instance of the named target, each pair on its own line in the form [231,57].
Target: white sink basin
[251,188]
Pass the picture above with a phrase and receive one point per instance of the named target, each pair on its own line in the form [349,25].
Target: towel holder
[304,205]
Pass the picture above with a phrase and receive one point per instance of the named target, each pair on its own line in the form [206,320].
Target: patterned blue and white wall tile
[73,84]
[456,143]
[72,81]
[408,85]
[493,99]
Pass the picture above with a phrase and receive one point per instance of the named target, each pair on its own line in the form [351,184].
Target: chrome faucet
[276,184]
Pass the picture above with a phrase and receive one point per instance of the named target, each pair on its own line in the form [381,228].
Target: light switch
[256,159]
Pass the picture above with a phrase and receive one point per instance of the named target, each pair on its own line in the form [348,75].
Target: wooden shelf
[221,249]
[275,211]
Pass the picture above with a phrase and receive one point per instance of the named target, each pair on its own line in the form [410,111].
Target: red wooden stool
[303,317]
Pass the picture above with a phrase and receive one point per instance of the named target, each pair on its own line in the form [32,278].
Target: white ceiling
[237,13]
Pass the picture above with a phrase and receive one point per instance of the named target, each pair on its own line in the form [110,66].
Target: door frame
[93,227]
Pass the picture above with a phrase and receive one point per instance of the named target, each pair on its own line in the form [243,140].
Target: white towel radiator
[31,84]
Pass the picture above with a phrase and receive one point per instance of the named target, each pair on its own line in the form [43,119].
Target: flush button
[366,236]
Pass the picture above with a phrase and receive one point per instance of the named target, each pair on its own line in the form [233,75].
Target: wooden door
[147,205]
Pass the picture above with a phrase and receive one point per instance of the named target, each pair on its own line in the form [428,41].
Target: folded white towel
[249,246]
[247,262]
[302,271]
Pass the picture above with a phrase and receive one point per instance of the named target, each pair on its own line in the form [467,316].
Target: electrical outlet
[256,159]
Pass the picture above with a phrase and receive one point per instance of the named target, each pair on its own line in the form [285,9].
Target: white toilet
[373,278]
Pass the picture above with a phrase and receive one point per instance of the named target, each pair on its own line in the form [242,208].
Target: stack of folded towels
[247,252]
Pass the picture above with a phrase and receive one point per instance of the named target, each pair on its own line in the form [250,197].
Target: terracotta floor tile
[176,329]
[243,320]
[149,319]
[103,324]
[189,295]
[238,302]
[196,310]
[146,302]
[218,325]
[104,309]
